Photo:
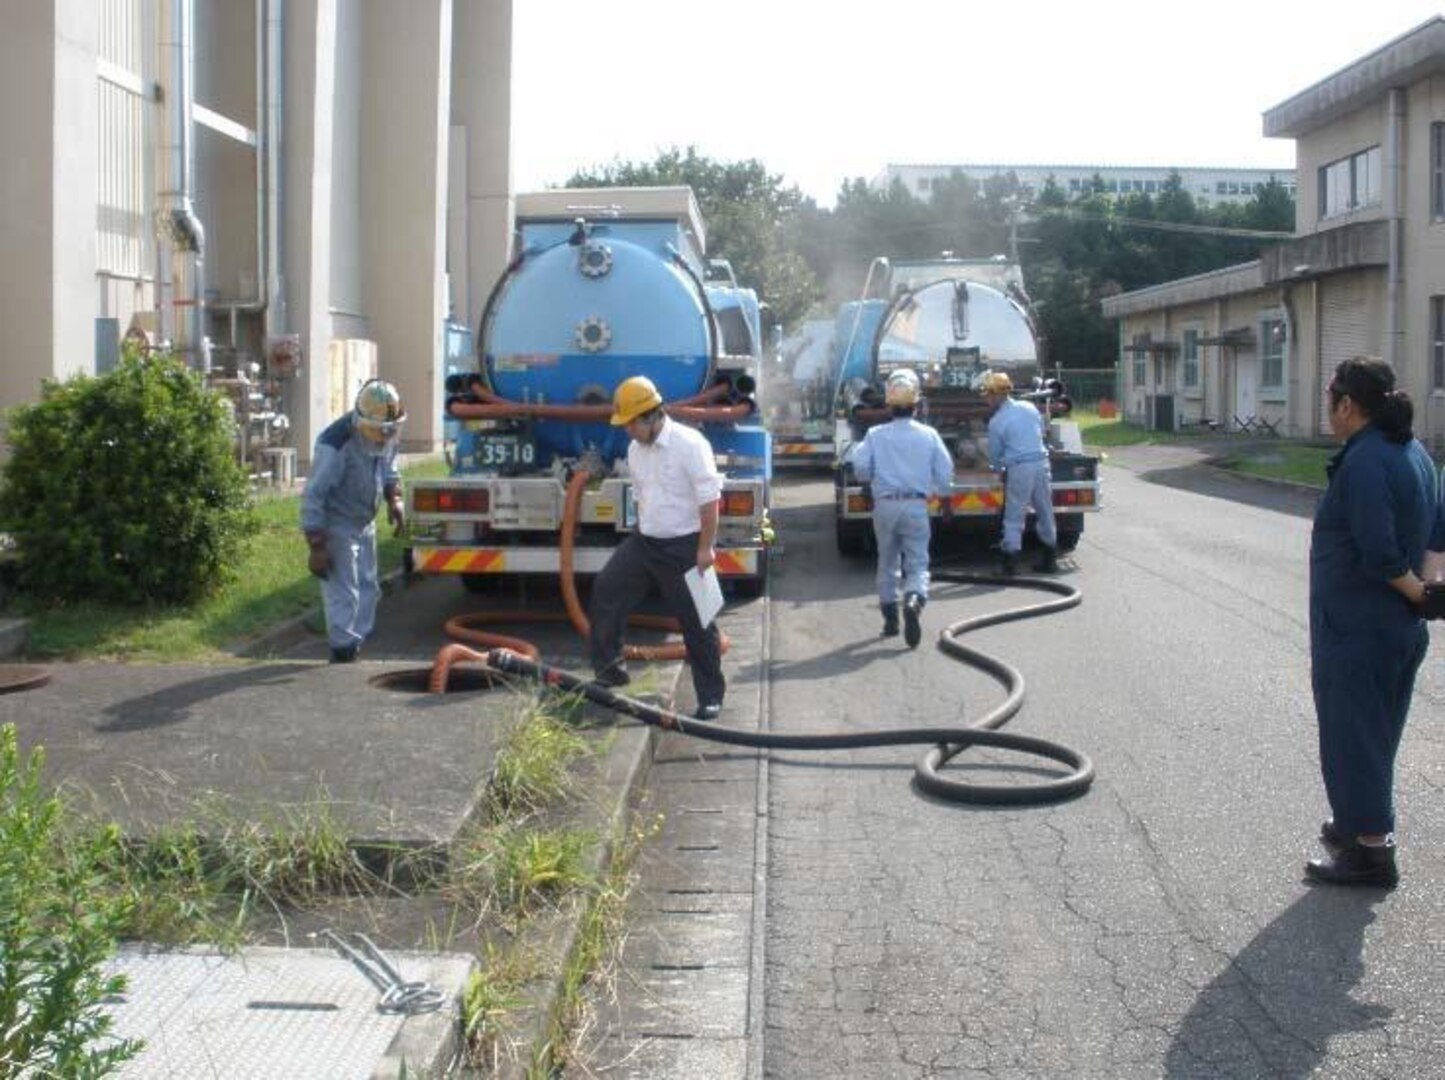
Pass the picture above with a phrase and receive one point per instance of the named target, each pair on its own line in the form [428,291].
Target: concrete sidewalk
[291,739]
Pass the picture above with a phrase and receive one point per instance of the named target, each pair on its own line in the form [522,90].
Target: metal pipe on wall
[178,228]
[1395,222]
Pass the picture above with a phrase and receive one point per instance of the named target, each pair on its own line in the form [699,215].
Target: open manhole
[17,677]
[460,680]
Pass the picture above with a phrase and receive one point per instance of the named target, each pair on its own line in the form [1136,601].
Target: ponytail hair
[1370,383]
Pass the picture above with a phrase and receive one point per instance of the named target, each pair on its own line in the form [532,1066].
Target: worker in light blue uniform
[1378,515]
[353,468]
[1016,448]
[906,463]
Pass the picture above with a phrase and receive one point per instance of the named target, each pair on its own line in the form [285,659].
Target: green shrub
[125,487]
[57,926]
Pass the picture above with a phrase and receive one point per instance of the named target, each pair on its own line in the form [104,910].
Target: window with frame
[1437,343]
[1351,183]
[1141,356]
[1437,171]
[1189,359]
[1272,345]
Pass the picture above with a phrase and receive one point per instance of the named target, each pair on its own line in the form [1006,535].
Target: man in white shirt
[676,485]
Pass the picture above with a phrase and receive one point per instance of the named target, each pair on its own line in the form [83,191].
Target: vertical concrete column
[482,104]
[48,190]
[310,79]
[406,106]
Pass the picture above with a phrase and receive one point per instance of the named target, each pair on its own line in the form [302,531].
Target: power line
[1170,226]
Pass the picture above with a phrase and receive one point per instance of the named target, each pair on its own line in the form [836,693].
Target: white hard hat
[901,388]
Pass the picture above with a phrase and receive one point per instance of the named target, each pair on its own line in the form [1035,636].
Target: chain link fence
[1087,387]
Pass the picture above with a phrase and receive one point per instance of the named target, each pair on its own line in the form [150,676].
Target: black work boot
[1355,863]
[345,654]
[890,619]
[912,609]
[1008,564]
[1048,561]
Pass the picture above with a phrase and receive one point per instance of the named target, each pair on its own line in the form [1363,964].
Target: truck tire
[1070,528]
[853,541]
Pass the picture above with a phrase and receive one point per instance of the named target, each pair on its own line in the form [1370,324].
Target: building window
[1351,183]
[1437,341]
[1437,171]
[1141,355]
[1189,352]
[1271,353]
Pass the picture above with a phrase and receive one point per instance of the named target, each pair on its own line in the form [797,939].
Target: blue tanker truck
[606,283]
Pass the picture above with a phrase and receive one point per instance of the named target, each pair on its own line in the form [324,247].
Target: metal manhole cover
[17,677]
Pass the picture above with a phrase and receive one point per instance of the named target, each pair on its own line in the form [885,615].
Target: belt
[903,495]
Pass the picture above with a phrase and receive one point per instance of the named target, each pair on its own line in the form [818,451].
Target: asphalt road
[1158,926]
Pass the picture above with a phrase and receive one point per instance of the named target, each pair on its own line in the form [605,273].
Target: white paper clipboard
[706,593]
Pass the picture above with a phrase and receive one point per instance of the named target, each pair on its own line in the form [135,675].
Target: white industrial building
[1213,185]
[295,193]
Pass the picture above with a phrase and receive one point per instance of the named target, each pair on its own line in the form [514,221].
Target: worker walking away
[906,463]
[353,468]
[676,485]
[1016,448]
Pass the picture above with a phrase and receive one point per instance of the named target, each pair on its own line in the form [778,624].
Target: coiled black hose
[948,742]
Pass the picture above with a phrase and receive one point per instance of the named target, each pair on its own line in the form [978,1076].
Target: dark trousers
[639,565]
[1362,688]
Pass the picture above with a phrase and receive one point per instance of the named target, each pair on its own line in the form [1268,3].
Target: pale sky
[821,92]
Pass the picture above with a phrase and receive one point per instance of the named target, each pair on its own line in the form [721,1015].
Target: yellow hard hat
[379,411]
[632,398]
[996,382]
[901,388]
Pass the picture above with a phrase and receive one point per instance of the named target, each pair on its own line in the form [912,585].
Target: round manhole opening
[17,677]
[460,680]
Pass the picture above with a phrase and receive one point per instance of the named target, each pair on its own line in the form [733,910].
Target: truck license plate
[496,451]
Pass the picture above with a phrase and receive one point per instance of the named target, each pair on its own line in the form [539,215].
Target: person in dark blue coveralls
[352,469]
[907,463]
[1374,523]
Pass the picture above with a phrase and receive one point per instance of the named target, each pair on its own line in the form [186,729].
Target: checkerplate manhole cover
[17,677]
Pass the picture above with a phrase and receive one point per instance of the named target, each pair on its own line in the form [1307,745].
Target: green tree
[751,219]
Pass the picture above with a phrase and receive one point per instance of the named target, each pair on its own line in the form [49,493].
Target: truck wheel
[482,584]
[852,541]
[1070,528]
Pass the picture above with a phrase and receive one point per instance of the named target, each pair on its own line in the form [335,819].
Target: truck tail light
[440,501]
[1076,497]
[737,504]
[858,503]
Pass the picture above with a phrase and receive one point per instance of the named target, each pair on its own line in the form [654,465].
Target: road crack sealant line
[948,742]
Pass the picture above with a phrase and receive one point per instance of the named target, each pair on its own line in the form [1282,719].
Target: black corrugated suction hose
[948,742]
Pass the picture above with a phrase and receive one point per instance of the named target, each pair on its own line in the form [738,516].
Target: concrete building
[1254,345]
[1212,185]
[295,193]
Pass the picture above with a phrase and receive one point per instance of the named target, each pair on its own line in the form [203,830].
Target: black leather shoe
[709,712]
[1356,864]
[1048,562]
[1008,564]
[614,676]
[890,620]
[1331,837]
[345,654]
[912,630]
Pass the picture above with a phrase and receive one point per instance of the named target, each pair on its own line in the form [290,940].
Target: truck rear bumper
[731,562]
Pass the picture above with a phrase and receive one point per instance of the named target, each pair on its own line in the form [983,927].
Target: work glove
[396,514]
[1432,604]
[319,561]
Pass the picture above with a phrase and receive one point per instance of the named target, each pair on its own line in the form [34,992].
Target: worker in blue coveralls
[1374,523]
[353,468]
[906,463]
[1016,448]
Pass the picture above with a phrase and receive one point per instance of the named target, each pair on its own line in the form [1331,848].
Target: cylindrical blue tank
[576,318]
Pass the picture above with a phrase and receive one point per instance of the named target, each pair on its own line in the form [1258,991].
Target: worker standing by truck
[907,464]
[676,485]
[353,468]
[1016,448]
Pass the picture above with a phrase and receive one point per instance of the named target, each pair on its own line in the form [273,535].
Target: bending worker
[352,469]
[1016,447]
[676,484]
[906,463]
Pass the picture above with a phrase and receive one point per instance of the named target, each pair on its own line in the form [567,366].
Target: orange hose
[461,627]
